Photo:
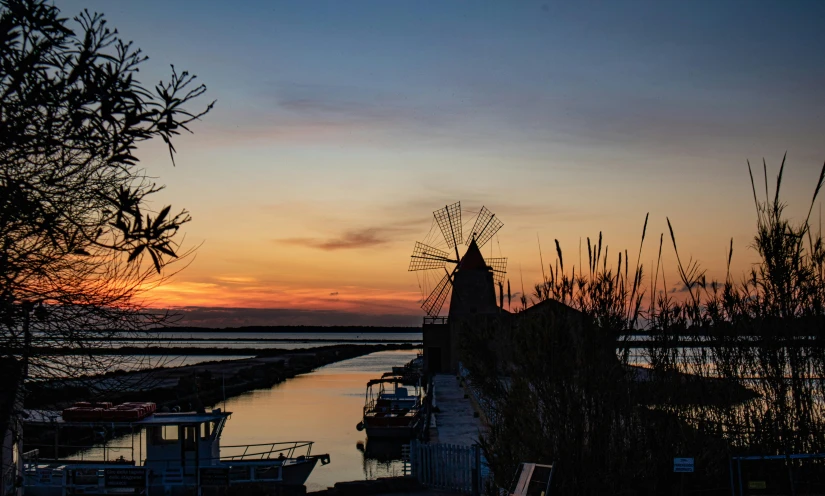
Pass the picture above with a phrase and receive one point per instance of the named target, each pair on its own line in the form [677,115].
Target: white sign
[683,465]
[44,476]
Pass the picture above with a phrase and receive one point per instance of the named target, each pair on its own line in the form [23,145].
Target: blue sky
[344,124]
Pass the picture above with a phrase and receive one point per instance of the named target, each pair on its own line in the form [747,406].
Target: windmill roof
[472,260]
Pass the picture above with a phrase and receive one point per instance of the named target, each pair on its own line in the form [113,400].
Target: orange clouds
[246,292]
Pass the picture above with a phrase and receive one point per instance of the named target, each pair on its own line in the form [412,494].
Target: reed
[754,387]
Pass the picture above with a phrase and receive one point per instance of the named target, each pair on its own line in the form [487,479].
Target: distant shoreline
[300,329]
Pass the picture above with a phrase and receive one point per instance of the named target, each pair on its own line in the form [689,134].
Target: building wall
[473,294]
[437,347]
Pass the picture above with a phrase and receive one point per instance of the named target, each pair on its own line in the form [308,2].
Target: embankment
[202,384]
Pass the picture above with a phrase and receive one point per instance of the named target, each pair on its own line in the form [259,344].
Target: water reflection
[381,458]
[323,406]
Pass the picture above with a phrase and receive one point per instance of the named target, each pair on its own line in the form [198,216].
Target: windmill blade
[426,257]
[432,305]
[449,220]
[485,227]
[499,267]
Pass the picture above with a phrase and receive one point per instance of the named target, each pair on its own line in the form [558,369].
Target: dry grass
[756,386]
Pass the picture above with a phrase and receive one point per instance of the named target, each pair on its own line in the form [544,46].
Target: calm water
[240,341]
[323,406]
[268,340]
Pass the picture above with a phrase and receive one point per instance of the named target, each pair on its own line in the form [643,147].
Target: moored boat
[182,453]
[392,409]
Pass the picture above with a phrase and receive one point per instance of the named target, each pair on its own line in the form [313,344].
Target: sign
[757,485]
[214,476]
[124,477]
[44,476]
[684,465]
[84,477]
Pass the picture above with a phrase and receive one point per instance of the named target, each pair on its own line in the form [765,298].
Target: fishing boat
[392,409]
[176,452]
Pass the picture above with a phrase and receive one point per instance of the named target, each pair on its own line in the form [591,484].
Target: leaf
[166,250]
[161,216]
[155,259]
[136,252]
[558,251]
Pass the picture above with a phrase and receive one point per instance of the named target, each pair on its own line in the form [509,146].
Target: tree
[78,242]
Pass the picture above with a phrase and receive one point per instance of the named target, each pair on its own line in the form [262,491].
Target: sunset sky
[340,126]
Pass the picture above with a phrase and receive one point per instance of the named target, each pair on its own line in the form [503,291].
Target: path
[454,418]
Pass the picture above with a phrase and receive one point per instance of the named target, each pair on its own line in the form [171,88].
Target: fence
[801,473]
[447,466]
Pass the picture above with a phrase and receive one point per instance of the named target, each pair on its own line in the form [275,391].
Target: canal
[323,406]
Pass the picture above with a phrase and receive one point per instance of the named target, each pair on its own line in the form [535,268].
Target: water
[264,340]
[323,406]
[234,345]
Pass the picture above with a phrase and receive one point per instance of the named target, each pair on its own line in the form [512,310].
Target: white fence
[447,466]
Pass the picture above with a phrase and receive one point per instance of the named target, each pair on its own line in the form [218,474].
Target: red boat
[94,412]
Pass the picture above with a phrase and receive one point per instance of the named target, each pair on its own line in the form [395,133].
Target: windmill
[475,293]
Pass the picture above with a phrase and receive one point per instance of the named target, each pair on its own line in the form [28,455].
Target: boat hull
[297,474]
[294,473]
[391,432]
[395,428]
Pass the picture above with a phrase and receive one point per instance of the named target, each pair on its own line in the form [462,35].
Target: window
[165,434]
[169,433]
[205,431]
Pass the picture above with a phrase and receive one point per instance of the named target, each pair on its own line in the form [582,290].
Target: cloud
[297,112]
[679,289]
[353,239]
[236,279]
[235,317]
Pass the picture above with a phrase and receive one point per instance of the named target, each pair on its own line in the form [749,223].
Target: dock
[456,420]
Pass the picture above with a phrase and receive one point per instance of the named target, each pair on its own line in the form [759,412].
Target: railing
[105,453]
[31,455]
[88,479]
[266,451]
[447,466]
[487,406]
[436,320]
[406,469]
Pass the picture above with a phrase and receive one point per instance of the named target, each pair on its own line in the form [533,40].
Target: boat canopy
[392,380]
[182,418]
[49,417]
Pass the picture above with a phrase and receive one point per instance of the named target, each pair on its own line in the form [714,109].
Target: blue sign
[684,465]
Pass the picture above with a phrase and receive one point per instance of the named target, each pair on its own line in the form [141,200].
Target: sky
[340,127]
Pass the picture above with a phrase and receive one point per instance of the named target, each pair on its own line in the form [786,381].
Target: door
[434,360]
[189,448]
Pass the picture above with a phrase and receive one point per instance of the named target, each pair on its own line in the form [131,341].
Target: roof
[472,259]
[391,380]
[182,418]
[50,417]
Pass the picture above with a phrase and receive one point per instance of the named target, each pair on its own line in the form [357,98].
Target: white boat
[182,454]
[391,410]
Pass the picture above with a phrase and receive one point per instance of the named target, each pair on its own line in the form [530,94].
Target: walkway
[454,420]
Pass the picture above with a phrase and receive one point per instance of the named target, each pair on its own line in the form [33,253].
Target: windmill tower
[469,278]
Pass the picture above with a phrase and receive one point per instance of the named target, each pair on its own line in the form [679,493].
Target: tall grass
[567,394]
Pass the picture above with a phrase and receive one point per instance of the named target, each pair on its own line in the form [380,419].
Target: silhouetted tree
[78,242]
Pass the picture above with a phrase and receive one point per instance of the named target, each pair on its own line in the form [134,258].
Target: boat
[177,453]
[392,409]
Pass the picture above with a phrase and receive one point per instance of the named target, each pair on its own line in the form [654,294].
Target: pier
[456,421]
